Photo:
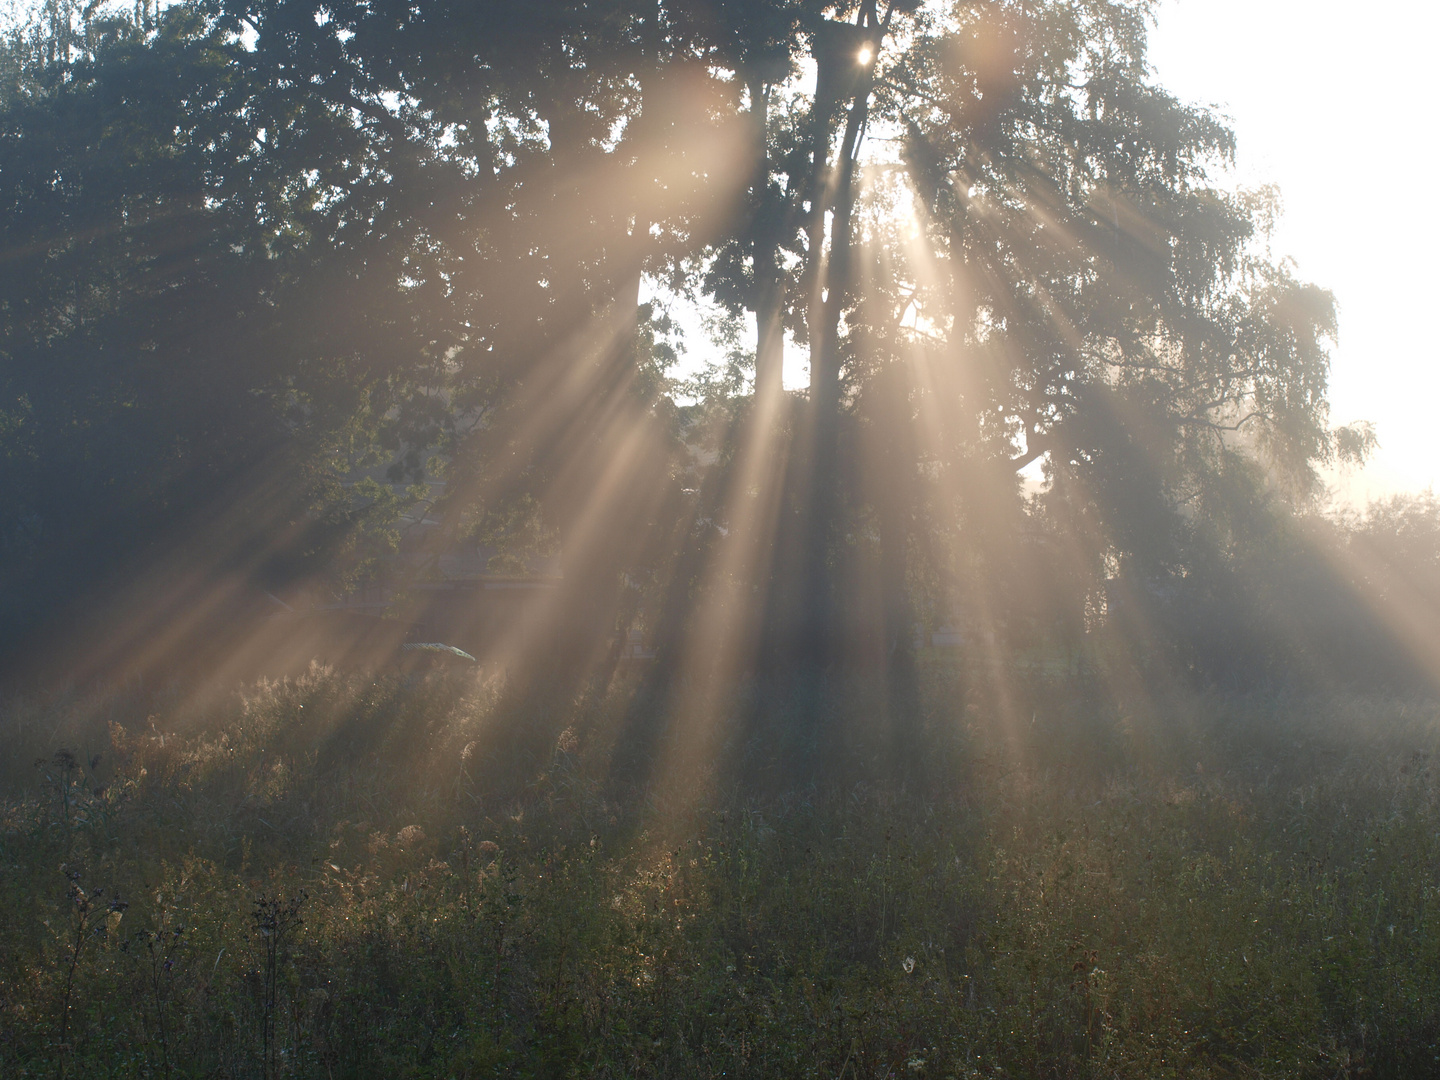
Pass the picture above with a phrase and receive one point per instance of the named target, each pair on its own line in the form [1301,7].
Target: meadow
[345,876]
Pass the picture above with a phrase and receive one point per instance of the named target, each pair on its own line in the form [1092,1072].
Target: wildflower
[909,964]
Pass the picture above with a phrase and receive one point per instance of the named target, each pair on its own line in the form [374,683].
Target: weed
[276,920]
[343,890]
[89,917]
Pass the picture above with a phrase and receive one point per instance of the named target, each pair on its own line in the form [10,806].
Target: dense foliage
[277,273]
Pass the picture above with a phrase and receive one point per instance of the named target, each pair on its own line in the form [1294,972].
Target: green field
[343,878]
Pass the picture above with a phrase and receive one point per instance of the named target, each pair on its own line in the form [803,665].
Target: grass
[334,877]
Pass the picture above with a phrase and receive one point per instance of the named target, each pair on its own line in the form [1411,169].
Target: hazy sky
[1336,104]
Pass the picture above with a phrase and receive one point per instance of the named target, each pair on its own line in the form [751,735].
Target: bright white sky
[1335,103]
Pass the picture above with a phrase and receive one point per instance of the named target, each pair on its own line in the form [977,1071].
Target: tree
[1044,272]
[207,307]
[408,243]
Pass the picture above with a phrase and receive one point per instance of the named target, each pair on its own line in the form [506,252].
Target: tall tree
[1045,272]
[405,242]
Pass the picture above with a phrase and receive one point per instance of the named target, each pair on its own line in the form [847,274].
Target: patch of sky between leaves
[708,340]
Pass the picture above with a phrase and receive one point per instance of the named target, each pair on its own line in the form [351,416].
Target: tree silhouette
[293,257]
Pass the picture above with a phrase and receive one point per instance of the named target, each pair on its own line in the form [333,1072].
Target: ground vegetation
[332,877]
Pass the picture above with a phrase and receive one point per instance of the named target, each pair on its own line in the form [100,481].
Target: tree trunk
[588,617]
[764,253]
[830,291]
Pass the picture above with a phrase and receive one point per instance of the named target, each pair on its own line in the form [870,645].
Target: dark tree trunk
[892,494]
[765,244]
[831,287]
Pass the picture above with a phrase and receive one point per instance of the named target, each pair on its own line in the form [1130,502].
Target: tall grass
[338,877]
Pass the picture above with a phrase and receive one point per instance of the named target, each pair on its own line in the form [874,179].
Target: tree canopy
[333,263]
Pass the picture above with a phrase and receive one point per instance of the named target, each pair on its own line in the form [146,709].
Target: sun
[865,55]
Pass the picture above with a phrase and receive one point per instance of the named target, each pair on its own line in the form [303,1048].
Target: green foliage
[335,877]
[194,313]
[275,274]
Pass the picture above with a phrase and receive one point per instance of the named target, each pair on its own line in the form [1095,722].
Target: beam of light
[622,497]
[1405,612]
[945,379]
[569,375]
[574,415]
[720,645]
[575,418]
[573,388]
[938,381]
[947,281]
